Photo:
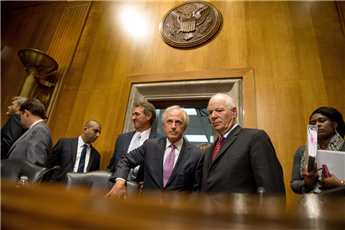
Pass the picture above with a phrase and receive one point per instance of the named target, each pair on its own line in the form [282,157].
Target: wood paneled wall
[296,50]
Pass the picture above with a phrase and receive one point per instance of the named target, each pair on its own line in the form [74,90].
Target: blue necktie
[82,160]
[136,144]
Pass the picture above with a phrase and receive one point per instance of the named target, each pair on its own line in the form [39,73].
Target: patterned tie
[216,149]
[82,160]
[168,165]
[136,144]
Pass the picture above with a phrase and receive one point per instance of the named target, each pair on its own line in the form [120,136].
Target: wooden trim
[341,8]
[64,45]
[247,74]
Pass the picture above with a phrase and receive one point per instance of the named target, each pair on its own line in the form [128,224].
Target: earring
[336,132]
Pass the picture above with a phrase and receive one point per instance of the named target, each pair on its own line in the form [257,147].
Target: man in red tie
[241,160]
[171,163]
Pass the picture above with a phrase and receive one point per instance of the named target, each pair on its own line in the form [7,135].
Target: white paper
[335,161]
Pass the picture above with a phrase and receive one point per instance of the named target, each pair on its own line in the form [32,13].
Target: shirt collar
[225,135]
[143,135]
[35,123]
[81,142]
[178,145]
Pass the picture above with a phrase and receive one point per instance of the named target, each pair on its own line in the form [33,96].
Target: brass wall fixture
[37,63]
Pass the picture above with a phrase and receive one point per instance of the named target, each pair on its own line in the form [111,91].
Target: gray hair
[148,108]
[20,100]
[230,102]
[185,115]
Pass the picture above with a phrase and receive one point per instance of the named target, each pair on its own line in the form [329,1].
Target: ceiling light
[196,138]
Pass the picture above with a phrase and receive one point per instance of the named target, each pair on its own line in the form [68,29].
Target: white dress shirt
[144,136]
[81,144]
[178,146]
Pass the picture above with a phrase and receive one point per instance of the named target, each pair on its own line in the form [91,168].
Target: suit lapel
[18,140]
[127,141]
[74,150]
[228,142]
[92,155]
[183,156]
[208,156]
[160,148]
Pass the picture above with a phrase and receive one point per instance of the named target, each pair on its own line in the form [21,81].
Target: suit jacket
[121,148]
[35,145]
[245,162]
[186,175]
[10,132]
[65,154]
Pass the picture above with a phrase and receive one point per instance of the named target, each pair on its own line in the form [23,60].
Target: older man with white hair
[171,163]
[241,160]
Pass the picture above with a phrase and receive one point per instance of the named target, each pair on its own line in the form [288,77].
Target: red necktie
[216,149]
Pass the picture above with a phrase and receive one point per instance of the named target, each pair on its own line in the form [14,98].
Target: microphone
[261,192]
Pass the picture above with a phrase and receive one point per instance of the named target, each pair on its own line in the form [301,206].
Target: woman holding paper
[330,136]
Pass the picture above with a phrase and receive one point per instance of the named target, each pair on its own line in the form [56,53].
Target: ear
[85,129]
[149,116]
[234,110]
[26,113]
[185,128]
[335,125]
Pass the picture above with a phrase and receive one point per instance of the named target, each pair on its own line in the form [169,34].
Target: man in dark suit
[171,163]
[36,143]
[12,129]
[240,160]
[143,116]
[76,154]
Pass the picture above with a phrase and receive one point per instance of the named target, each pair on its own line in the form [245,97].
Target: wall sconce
[36,63]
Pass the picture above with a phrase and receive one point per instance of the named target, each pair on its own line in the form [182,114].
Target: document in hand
[335,161]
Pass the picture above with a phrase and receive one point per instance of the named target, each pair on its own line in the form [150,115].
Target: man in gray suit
[36,143]
[12,129]
[171,163]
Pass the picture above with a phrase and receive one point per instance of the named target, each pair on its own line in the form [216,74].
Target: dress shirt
[81,144]
[144,136]
[227,134]
[178,146]
[35,123]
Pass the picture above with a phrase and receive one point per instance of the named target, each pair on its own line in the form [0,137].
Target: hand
[310,178]
[118,190]
[330,182]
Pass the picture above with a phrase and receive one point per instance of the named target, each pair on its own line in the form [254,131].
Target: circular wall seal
[190,24]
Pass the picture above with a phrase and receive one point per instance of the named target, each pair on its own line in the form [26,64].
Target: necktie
[168,165]
[216,149]
[136,144]
[82,159]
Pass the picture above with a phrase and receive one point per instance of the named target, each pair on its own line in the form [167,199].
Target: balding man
[76,154]
[240,160]
[12,129]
